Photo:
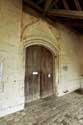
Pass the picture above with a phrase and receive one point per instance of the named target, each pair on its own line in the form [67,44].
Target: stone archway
[53,50]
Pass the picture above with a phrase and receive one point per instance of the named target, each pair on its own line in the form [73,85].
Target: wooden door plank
[46,73]
[32,82]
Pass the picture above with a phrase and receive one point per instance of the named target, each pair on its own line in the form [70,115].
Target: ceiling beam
[65,4]
[54,4]
[47,5]
[33,5]
[39,1]
[77,5]
[66,13]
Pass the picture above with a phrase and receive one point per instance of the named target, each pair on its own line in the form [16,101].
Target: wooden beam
[47,5]
[66,13]
[65,4]
[33,5]
[54,4]
[77,5]
[39,1]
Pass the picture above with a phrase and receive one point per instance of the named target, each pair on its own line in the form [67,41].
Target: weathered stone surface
[11,84]
[12,56]
[66,110]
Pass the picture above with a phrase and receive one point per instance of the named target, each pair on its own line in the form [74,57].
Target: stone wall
[64,40]
[11,59]
[12,53]
[81,59]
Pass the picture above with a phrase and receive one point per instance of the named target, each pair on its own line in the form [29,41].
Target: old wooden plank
[66,13]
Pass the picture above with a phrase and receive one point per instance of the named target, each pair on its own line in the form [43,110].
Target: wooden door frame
[55,52]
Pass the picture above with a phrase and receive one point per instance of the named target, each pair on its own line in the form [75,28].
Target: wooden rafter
[54,4]
[33,5]
[47,4]
[65,4]
[77,5]
[67,13]
[71,18]
[39,1]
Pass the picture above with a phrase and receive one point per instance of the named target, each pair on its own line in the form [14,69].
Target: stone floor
[66,110]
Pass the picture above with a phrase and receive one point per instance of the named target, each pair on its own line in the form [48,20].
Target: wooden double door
[39,73]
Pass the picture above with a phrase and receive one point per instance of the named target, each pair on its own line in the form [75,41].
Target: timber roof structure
[69,12]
